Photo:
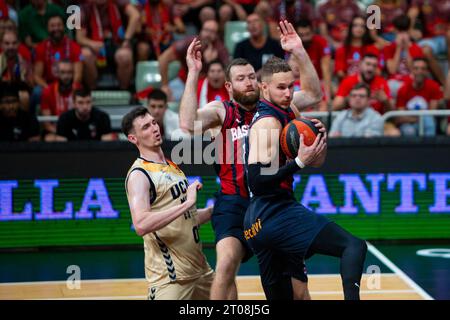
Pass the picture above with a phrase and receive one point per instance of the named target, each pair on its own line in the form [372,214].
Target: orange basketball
[290,136]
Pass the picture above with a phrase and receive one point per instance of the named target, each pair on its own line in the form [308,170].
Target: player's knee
[227,268]
[358,247]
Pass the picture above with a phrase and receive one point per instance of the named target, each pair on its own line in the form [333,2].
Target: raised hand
[289,39]
[191,193]
[194,56]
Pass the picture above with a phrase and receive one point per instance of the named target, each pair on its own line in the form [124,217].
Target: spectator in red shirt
[334,18]
[380,99]
[357,43]
[13,66]
[57,98]
[212,87]
[106,40]
[435,24]
[54,49]
[14,69]
[10,25]
[212,49]
[158,25]
[319,52]
[419,93]
[400,54]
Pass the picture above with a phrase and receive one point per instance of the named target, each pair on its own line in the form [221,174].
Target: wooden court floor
[389,286]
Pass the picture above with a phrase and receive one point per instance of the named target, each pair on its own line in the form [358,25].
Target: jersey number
[196,235]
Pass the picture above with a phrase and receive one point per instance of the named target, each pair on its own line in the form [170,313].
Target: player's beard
[245,99]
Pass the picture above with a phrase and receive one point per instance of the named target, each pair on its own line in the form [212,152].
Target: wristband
[299,162]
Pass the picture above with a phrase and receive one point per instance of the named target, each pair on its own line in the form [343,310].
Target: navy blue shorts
[279,231]
[228,219]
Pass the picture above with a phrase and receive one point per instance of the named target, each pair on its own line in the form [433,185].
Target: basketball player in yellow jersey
[162,205]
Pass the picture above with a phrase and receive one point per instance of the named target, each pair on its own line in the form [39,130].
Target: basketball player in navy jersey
[233,119]
[281,231]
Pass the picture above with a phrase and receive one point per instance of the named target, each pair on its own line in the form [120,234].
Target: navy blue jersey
[284,116]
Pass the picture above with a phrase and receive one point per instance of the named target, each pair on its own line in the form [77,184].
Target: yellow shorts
[196,289]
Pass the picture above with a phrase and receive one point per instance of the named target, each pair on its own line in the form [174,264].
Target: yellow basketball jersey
[173,252]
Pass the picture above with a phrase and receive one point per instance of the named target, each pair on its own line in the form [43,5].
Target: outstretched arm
[204,215]
[213,113]
[311,92]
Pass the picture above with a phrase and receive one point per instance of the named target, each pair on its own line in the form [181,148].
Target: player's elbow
[139,231]
[314,93]
[317,97]
[187,127]
[142,230]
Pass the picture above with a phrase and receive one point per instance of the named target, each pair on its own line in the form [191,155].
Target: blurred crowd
[48,68]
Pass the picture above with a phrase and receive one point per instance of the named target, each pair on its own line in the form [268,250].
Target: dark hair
[361,85]
[157,94]
[366,38]
[402,23]
[421,59]
[128,119]
[9,89]
[215,61]
[65,60]
[274,65]
[83,92]
[370,55]
[234,62]
[304,23]
[55,16]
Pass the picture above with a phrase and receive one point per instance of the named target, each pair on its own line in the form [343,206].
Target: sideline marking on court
[243,294]
[388,263]
[54,282]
